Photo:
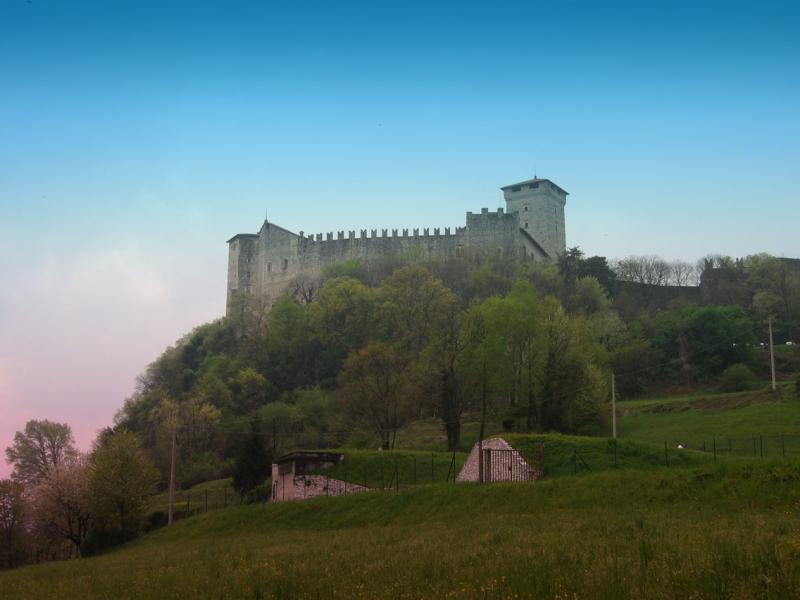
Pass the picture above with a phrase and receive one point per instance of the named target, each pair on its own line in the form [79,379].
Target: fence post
[396,476]
[704,445]
[714,442]
[383,481]
[365,475]
[615,453]
[415,470]
[575,461]
[666,455]
[761,445]
[432,477]
[783,447]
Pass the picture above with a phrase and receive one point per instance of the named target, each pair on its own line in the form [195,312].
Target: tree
[573,266]
[41,446]
[280,421]
[343,317]
[122,481]
[440,373]
[251,466]
[682,273]
[373,383]
[737,378]
[589,297]
[708,338]
[61,502]
[12,516]
[415,306]
[645,270]
[482,363]
[250,390]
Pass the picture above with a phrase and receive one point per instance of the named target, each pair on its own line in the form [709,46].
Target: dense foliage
[352,357]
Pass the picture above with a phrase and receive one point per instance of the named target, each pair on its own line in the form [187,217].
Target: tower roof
[534,180]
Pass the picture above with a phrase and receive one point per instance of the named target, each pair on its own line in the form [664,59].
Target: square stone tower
[540,206]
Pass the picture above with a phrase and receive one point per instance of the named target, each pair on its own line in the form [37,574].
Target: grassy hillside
[704,532]
[209,494]
[569,455]
[379,469]
[731,421]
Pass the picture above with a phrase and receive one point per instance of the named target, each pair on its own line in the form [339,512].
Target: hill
[700,532]
[760,423]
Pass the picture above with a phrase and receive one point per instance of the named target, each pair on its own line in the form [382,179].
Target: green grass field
[744,424]
[698,532]
[609,521]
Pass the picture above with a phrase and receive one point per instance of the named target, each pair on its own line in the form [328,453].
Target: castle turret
[540,206]
[241,254]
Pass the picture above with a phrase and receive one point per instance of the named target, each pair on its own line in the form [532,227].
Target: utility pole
[172,473]
[771,354]
[613,407]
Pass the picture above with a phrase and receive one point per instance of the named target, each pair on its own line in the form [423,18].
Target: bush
[737,378]
[206,467]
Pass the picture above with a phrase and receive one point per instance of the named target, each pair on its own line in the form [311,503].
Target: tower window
[516,189]
[269,267]
[526,209]
[533,186]
[285,263]
[526,225]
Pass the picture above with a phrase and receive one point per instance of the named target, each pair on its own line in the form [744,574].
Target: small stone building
[295,477]
[501,462]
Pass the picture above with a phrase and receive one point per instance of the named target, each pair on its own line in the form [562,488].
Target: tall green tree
[373,390]
[252,465]
[121,483]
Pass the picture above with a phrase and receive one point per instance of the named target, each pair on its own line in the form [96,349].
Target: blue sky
[136,137]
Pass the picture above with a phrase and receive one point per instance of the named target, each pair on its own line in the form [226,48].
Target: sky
[136,137]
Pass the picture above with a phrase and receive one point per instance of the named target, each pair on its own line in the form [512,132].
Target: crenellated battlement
[373,234]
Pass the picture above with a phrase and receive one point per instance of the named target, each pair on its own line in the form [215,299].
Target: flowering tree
[61,505]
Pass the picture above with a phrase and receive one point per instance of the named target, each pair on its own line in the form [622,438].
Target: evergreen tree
[252,465]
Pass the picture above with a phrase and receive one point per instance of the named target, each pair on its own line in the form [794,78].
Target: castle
[532,225]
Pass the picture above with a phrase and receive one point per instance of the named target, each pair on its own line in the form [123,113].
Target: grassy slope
[597,454]
[702,532]
[376,469]
[217,493]
[722,417]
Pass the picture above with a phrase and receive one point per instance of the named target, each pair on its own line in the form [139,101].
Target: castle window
[269,267]
[533,186]
[285,263]
[516,189]
[526,209]
[526,225]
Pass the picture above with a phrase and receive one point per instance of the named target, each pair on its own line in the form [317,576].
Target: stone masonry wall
[470,471]
[304,487]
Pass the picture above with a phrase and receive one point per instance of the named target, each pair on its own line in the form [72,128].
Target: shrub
[737,378]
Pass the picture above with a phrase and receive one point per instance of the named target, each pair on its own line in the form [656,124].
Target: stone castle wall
[268,263]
